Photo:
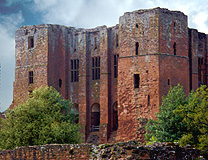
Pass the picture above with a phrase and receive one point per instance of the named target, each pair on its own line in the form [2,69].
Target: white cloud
[8,25]
[92,13]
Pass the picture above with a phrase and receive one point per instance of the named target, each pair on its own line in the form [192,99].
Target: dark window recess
[75,70]
[174,48]
[30,77]
[116,40]
[60,83]
[137,26]
[200,69]
[148,100]
[95,68]
[30,42]
[136,81]
[168,81]
[137,48]
[116,65]
[174,25]
[95,41]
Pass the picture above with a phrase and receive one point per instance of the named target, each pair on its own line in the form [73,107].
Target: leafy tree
[195,116]
[168,127]
[44,118]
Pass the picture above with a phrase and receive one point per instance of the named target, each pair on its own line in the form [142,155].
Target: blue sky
[77,13]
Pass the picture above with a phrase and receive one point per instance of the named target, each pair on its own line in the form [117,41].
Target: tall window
[174,48]
[136,81]
[137,48]
[200,69]
[75,70]
[30,77]
[95,68]
[116,65]
[30,42]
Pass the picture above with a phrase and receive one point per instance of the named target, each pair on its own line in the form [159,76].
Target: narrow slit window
[95,68]
[30,77]
[174,25]
[168,81]
[60,83]
[95,41]
[30,42]
[75,70]
[116,65]
[148,100]
[136,80]
[137,48]
[174,48]
[137,26]
[116,40]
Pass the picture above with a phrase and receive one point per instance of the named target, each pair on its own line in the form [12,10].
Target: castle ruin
[115,76]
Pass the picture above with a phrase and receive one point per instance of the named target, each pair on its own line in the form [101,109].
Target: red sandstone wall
[32,59]
[142,27]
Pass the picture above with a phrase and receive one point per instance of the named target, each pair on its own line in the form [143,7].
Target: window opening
[95,68]
[116,40]
[137,48]
[174,48]
[136,80]
[174,26]
[137,26]
[95,41]
[75,70]
[148,100]
[30,77]
[30,42]
[168,81]
[60,83]
[200,69]
[116,65]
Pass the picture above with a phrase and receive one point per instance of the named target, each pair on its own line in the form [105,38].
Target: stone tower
[115,76]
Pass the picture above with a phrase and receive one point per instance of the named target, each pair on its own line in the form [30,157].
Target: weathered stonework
[115,76]
[129,150]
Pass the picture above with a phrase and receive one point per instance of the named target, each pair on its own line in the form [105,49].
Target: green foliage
[168,126]
[152,140]
[45,118]
[195,116]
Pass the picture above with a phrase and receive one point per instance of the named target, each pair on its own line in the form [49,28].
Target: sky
[76,13]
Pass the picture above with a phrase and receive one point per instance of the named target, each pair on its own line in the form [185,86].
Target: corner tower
[153,55]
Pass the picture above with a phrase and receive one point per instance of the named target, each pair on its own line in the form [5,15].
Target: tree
[45,118]
[168,127]
[195,116]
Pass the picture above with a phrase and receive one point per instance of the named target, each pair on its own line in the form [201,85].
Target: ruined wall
[129,150]
[198,58]
[173,50]
[30,58]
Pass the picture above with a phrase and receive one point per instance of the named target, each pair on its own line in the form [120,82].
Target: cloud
[11,2]
[8,25]
[92,13]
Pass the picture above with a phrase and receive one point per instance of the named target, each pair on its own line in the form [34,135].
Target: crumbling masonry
[115,76]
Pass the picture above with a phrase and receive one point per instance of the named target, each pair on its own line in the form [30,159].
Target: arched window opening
[95,117]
